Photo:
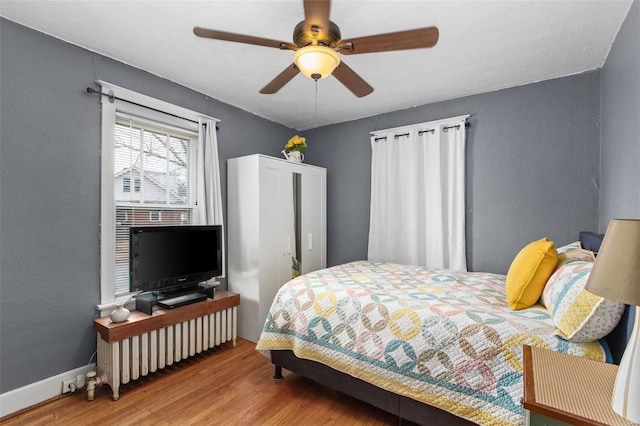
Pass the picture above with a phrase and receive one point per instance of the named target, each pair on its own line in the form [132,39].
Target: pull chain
[315,119]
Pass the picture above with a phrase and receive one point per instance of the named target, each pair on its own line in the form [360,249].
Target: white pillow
[579,316]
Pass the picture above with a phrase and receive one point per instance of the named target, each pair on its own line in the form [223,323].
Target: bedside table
[561,389]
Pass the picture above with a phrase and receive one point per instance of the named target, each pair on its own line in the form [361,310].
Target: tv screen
[165,258]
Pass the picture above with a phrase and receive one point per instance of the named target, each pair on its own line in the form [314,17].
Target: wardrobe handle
[310,241]
[288,244]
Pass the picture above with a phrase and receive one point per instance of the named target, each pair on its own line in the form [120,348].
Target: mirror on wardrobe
[296,255]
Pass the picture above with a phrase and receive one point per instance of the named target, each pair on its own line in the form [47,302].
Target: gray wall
[50,193]
[532,169]
[620,133]
[620,128]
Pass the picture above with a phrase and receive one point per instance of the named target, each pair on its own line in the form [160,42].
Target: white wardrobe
[276,231]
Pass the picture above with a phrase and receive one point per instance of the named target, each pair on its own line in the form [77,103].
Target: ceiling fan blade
[402,40]
[316,15]
[281,79]
[241,38]
[352,81]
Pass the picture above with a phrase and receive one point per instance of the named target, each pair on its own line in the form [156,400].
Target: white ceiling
[483,46]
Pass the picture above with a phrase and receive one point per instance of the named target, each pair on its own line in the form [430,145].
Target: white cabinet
[276,230]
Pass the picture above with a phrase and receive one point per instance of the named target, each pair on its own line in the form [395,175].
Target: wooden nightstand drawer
[536,419]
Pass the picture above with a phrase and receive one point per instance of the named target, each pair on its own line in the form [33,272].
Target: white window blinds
[154,182]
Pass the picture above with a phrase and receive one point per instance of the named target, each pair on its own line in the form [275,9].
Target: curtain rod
[432,131]
[113,97]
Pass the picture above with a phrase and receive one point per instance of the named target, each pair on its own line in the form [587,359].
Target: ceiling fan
[317,42]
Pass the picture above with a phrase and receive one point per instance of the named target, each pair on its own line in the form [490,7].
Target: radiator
[128,359]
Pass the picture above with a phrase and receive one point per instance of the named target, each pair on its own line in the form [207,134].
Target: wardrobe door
[244,215]
[314,220]
[276,231]
[287,202]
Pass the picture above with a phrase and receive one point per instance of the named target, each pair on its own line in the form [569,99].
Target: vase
[294,156]
[119,314]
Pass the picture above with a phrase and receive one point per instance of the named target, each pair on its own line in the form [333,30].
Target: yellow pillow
[529,272]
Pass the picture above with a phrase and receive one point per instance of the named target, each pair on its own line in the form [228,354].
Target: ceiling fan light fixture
[316,60]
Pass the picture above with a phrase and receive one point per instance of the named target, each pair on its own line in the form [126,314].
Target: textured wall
[50,193]
[532,169]
[620,131]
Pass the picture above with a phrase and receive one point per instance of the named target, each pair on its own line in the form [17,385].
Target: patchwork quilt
[445,338]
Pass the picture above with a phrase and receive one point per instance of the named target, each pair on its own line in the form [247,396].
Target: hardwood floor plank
[225,386]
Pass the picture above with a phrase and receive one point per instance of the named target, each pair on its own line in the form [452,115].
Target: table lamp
[616,276]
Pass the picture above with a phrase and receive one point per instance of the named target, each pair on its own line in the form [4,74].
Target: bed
[431,346]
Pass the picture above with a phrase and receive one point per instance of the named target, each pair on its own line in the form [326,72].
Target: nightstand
[561,389]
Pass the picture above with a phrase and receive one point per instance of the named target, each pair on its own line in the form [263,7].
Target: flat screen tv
[167,258]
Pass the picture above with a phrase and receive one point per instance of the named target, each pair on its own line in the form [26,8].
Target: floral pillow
[571,246]
[572,252]
[579,316]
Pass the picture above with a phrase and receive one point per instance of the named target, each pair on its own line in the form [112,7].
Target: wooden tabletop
[569,388]
[139,323]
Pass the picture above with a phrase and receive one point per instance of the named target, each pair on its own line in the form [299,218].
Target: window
[126,184]
[161,162]
[121,217]
[149,174]
[418,194]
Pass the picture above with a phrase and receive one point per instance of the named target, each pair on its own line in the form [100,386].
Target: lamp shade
[316,61]
[616,273]
[616,276]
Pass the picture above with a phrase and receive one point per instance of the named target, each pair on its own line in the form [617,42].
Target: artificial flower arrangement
[296,143]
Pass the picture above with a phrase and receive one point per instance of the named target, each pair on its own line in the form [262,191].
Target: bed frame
[409,409]
[401,406]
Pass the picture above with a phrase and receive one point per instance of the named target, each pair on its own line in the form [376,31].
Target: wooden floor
[226,386]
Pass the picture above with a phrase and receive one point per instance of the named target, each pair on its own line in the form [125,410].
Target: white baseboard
[35,393]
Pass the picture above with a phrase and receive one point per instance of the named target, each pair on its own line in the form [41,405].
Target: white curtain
[418,193]
[209,192]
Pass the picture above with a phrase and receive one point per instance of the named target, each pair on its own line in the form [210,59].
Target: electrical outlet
[69,386]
